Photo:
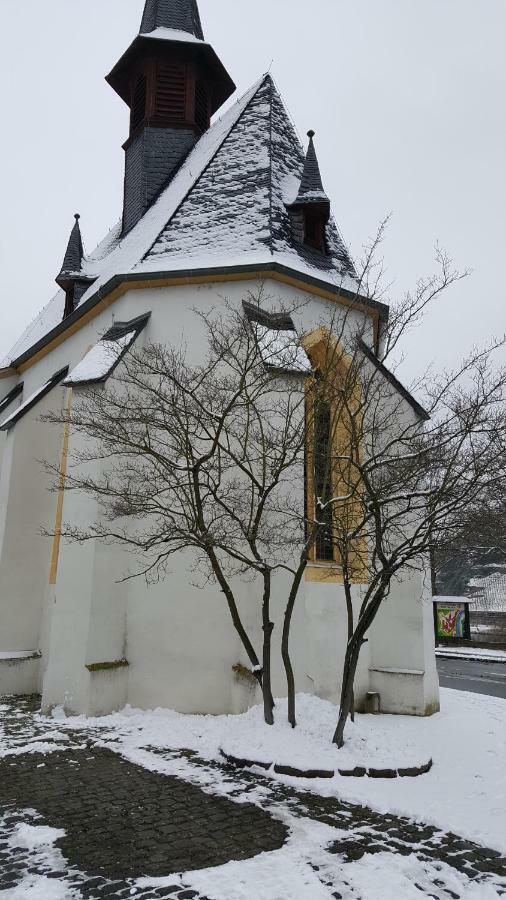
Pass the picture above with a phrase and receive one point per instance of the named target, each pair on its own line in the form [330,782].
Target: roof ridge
[254,91]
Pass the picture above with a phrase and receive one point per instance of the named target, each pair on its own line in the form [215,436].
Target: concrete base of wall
[19,672]
[403,692]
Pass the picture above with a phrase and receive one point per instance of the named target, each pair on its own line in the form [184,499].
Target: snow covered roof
[100,362]
[278,341]
[224,208]
[74,254]
[311,186]
[236,209]
[180,15]
[172,34]
[33,399]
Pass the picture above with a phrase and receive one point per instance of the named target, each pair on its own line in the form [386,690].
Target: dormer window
[314,230]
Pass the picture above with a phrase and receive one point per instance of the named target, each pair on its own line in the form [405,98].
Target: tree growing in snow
[398,477]
[207,458]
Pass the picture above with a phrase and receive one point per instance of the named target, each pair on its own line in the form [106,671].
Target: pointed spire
[73,259]
[311,186]
[179,15]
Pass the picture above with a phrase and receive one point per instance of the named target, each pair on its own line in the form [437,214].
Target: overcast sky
[407,98]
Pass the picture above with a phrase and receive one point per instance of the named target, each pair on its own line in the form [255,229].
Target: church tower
[173,82]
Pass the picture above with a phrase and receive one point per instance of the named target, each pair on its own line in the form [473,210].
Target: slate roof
[311,185]
[237,205]
[180,15]
[73,258]
[226,206]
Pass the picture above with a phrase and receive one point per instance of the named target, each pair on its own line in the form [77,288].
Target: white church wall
[26,507]
[179,641]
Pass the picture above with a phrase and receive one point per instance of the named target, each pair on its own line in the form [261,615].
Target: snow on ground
[464,792]
[282,876]
[472,653]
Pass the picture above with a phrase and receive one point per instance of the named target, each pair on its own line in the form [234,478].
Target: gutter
[260,270]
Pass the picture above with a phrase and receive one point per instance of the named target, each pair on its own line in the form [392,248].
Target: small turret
[71,278]
[312,201]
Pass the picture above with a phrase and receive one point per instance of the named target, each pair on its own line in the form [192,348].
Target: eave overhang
[391,378]
[145,45]
[119,284]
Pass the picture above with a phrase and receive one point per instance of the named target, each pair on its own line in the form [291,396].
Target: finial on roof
[311,134]
[77,216]
[178,15]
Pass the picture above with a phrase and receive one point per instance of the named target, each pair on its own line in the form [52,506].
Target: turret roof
[179,15]
[311,185]
[73,259]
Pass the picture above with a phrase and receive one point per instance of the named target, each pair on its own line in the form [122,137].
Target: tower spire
[173,82]
[178,15]
[311,208]
[71,277]
[311,186]
[73,259]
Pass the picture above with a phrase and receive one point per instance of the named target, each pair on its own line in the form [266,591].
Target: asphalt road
[470,675]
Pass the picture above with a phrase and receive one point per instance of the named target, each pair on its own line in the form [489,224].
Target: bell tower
[173,82]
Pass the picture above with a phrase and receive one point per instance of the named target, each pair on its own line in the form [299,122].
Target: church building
[219,198]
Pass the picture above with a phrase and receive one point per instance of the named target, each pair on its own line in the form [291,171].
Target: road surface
[472,675]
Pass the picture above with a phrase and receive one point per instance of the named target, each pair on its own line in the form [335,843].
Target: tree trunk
[236,619]
[347,693]
[352,656]
[351,628]
[267,627]
[285,643]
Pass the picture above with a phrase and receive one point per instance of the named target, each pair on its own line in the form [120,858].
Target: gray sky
[407,98]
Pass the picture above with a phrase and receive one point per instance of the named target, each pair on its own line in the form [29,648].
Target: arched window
[330,451]
[323,489]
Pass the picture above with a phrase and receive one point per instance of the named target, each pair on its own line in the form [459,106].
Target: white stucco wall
[179,640]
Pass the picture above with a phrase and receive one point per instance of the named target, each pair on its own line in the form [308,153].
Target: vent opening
[138,103]
[202,118]
[171,92]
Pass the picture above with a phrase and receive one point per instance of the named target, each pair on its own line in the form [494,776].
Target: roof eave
[258,269]
[394,381]
[142,43]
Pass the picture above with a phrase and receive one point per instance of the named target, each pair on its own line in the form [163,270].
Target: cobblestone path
[122,821]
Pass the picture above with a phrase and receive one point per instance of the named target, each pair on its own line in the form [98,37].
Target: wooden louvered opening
[202,119]
[138,103]
[171,92]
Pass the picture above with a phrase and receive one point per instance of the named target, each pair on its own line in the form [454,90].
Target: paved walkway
[120,822]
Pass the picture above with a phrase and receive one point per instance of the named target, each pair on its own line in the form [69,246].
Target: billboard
[452,621]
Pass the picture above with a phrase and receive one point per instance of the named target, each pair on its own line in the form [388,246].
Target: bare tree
[211,456]
[206,457]
[399,476]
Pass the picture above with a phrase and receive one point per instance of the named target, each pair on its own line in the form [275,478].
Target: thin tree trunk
[347,694]
[268,627]
[236,619]
[285,643]
[351,628]
[352,657]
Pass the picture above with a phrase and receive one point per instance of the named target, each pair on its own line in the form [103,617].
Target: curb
[357,772]
[471,657]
